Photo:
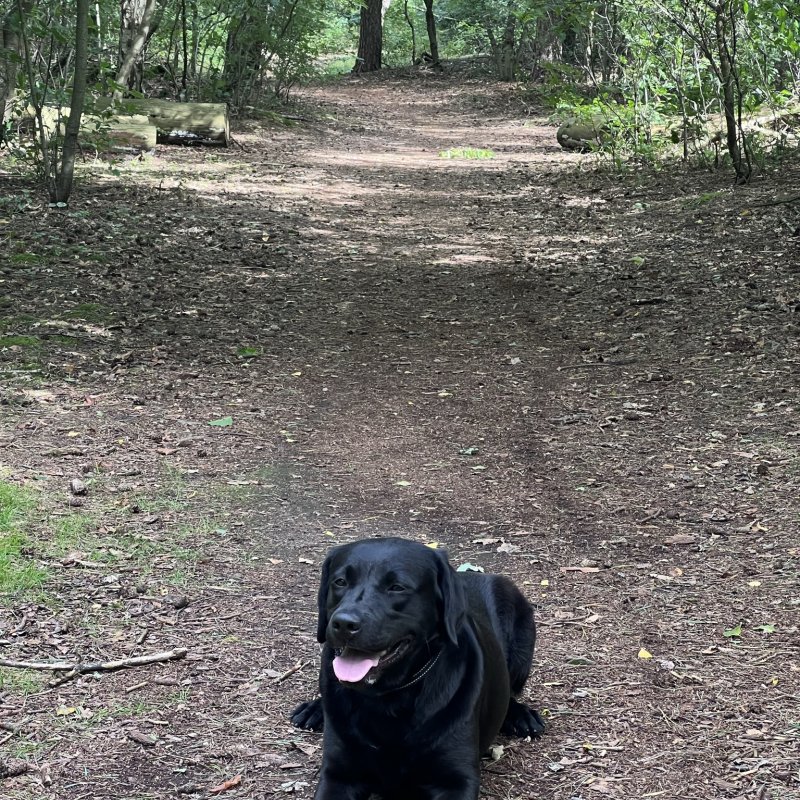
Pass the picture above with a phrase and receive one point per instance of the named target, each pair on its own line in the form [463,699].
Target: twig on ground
[779,202]
[296,668]
[73,669]
[621,363]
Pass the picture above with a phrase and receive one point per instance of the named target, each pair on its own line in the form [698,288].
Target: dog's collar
[418,676]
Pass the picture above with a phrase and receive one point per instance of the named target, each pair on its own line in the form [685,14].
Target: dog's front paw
[308,716]
[522,721]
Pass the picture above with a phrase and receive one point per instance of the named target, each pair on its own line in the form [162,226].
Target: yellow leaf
[754,583]
[432,545]
[73,434]
[63,711]
[297,374]
[645,653]
[544,582]
[774,681]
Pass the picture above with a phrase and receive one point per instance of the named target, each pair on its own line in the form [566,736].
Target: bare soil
[583,379]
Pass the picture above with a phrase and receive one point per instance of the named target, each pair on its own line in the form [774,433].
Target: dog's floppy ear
[322,599]
[452,605]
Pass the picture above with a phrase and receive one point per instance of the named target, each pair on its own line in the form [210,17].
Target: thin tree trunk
[63,180]
[370,39]
[430,24]
[728,79]
[185,42]
[413,32]
[135,45]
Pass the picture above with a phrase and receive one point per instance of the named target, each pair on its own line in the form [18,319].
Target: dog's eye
[397,587]
[340,582]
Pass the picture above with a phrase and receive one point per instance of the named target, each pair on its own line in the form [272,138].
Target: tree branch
[73,669]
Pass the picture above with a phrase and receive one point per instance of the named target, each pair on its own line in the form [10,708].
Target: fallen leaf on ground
[580,569]
[767,628]
[225,785]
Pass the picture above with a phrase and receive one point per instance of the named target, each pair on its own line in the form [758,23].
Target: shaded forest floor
[584,380]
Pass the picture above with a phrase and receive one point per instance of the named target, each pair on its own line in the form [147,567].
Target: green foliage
[656,74]
[650,68]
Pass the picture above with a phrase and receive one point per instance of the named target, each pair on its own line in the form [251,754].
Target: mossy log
[200,123]
[580,136]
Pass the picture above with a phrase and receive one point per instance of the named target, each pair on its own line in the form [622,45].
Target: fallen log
[134,132]
[580,136]
[200,123]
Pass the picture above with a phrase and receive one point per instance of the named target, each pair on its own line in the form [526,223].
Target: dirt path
[596,374]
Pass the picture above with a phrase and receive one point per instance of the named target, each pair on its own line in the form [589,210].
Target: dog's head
[382,602]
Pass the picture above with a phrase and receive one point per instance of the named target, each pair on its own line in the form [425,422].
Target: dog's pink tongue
[352,668]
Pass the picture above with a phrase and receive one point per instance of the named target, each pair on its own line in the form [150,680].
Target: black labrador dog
[420,671]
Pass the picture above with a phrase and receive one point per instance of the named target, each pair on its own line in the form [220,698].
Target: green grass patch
[702,199]
[467,152]
[25,258]
[21,681]
[248,352]
[8,323]
[89,312]
[20,341]
[26,750]
[77,532]
[17,572]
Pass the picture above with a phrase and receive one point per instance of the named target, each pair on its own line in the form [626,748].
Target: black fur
[416,728]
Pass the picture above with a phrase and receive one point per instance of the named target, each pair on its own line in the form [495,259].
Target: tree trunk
[136,28]
[507,66]
[370,39]
[433,42]
[724,27]
[63,178]
[10,52]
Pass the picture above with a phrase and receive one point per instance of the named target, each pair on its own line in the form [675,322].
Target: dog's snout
[346,623]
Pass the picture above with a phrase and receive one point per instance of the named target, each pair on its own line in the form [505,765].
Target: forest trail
[585,380]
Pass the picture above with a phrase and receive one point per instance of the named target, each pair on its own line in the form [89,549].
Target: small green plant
[248,352]
[467,152]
